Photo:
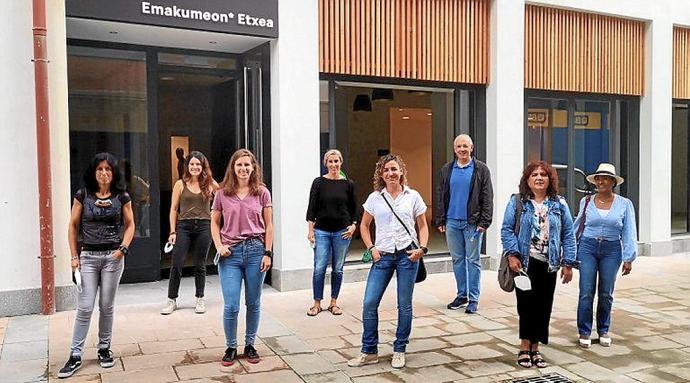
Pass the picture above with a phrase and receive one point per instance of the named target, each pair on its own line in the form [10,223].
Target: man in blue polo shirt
[465,200]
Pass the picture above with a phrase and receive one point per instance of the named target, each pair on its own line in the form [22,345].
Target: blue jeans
[244,262]
[603,258]
[330,246]
[379,276]
[464,250]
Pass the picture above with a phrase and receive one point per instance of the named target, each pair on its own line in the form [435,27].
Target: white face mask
[216,259]
[168,247]
[77,279]
[523,282]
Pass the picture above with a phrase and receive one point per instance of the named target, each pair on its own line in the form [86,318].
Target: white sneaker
[200,307]
[170,306]
[363,359]
[398,360]
[605,341]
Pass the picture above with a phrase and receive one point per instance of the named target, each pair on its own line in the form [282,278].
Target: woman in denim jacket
[608,237]
[544,244]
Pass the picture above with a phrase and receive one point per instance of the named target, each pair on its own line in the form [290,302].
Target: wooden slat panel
[438,40]
[681,63]
[583,52]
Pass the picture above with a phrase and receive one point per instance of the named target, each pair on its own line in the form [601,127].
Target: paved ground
[651,333]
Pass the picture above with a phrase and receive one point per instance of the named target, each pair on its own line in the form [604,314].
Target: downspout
[43,153]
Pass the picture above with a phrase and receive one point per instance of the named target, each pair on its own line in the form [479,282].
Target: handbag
[505,275]
[421,271]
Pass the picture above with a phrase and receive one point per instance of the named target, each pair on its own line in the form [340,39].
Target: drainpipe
[43,151]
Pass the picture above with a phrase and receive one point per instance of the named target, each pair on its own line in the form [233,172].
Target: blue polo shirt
[460,184]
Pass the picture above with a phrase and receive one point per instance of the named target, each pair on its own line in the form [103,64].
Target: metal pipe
[45,204]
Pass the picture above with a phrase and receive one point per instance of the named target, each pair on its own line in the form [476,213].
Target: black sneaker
[229,357]
[457,303]
[72,365]
[105,358]
[251,354]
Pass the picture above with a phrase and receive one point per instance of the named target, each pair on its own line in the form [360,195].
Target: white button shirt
[390,234]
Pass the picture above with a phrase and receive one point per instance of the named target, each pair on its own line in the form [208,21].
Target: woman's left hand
[265,263]
[415,255]
[566,274]
[347,234]
[118,254]
[627,268]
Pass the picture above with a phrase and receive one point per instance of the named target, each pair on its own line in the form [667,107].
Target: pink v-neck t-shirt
[242,218]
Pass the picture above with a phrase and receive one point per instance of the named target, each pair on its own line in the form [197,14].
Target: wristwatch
[268,253]
[124,249]
[424,249]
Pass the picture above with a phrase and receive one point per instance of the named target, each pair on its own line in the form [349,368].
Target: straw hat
[606,169]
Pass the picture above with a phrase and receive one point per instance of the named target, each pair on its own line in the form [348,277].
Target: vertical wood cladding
[583,52]
[681,63]
[437,40]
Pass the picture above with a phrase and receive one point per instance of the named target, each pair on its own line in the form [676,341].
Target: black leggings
[534,306]
[194,234]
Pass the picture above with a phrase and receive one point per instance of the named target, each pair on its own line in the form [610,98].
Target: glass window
[195,61]
[590,144]
[108,113]
[679,170]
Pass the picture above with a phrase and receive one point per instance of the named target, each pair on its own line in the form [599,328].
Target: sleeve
[352,202]
[440,207]
[568,238]
[124,198]
[80,195]
[580,216]
[629,235]
[217,205]
[265,197]
[313,200]
[419,207]
[487,200]
[368,204]
[509,239]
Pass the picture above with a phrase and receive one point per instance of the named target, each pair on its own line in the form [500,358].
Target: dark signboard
[246,17]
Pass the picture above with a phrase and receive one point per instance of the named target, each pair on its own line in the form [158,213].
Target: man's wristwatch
[124,249]
[268,253]
[424,249]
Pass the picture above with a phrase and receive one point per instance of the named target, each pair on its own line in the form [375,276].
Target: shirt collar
[455,163]
[406,190]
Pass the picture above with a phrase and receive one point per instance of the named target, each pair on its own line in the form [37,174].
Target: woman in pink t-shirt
[244,242]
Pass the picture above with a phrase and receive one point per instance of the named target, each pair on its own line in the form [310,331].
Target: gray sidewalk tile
[12,352]
[26,329]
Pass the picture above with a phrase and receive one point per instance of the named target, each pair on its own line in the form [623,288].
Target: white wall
[295,131]
[19,234]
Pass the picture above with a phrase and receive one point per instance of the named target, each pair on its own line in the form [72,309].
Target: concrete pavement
[650,330]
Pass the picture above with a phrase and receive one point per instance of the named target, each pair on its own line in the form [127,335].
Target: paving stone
[16,330]
[94,378]
[282,376]
[563,372]
[329,377]
[305,364]
[170,346]
[23,371]
[213,341]
[267,363]
[154,375]
[186,333]
[146,362]
[332,356]
[474,352]
[387,377]
[456,328]
[24,351]
[429,358]
[465,339]
[679,337]
[426,344]
[654,375]
[557,357]
[432,374]
[656,343]
[682,371]
[475,368]
[290,344]
[426,332]
[207,370]
[481,323]
[383,366]
[328,343]
[592,371]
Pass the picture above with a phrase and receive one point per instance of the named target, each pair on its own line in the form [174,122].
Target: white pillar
[294,139]
[655,139]
[505,109]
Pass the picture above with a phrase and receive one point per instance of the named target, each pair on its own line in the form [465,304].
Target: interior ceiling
[86,29]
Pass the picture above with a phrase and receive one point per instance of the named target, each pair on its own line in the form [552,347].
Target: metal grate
[547,378]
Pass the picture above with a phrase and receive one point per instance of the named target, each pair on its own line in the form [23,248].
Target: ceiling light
[167,78]
[405,117]
[429,114]
[362,103]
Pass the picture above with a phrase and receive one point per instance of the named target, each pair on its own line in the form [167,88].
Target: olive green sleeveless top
[193,205]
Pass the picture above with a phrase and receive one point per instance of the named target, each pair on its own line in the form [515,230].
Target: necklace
[602,202]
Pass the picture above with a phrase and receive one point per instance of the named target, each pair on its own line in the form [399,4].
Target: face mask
[216,259]
[522,281]
[168,247]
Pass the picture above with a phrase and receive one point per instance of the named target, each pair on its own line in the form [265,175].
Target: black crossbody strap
[399,220]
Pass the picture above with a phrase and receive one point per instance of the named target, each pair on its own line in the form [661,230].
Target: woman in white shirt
[394,251]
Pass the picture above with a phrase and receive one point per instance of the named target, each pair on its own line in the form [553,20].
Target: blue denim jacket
[618,225]
[562,248]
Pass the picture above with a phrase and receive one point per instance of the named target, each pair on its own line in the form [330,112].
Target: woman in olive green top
[190,227]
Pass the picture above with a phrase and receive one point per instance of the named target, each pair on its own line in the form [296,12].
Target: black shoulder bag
[421,271]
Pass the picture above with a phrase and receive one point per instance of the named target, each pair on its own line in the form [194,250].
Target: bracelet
[75,258]
[371,247]
[171,233]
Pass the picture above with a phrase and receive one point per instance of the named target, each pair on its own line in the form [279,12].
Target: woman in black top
[332,222]
[102,216]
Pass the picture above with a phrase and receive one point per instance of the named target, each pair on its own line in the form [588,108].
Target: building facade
[572,82]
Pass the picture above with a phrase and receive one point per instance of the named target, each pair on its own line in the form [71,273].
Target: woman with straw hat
[607,237]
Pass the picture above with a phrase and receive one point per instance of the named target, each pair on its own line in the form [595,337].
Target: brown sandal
[314,311]
[335,310]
